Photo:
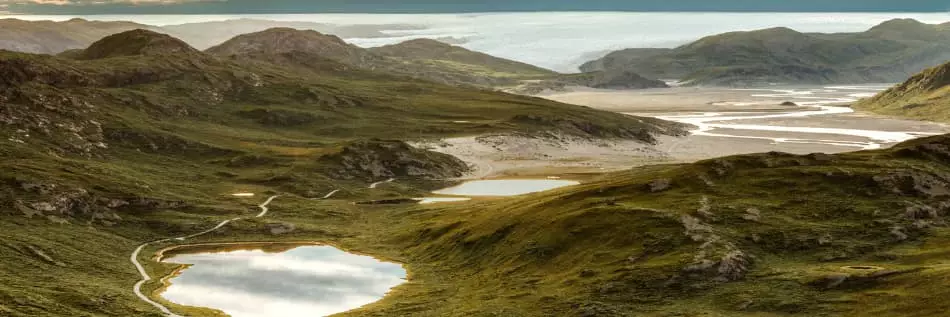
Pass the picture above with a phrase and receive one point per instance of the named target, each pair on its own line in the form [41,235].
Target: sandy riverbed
[728,121]
[753,120]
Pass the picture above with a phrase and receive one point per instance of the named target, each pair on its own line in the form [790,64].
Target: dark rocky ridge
[382,159]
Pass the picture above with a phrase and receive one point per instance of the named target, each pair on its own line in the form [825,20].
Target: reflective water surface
[436,200]
[294,281]
[505,187]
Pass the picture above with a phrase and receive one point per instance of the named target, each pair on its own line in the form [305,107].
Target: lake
[284,280]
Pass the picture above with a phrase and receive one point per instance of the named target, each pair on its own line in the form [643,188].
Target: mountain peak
[899,24]
[136,42]
[905,29]
[275,41]
[278,40]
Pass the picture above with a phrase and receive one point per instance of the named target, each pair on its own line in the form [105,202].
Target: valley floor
[740,121]
[727,122]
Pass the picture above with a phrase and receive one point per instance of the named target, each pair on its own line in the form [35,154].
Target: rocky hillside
[888,52]
[924,96]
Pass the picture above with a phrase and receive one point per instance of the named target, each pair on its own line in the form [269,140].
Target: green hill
[768,234]
[889,52]
[925,96]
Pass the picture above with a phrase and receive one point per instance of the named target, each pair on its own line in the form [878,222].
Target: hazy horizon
[457,6]
[550,39]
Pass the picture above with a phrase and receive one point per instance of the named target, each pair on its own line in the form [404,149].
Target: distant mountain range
[422,59]
[50,37]
[300,44]
[889,52]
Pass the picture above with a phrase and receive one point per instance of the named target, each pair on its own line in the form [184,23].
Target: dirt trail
[134,258]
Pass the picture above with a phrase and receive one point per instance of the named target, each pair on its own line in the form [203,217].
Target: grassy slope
[615,248]
[191,128]
[924,96]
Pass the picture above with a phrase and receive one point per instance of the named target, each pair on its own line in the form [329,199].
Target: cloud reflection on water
[305,281]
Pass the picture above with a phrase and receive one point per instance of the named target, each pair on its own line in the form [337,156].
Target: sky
[85,7]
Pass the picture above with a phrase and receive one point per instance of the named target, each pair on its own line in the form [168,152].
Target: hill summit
[277,41]
[136,42]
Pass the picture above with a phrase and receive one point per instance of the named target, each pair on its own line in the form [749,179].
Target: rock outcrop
[67,204]
[382,159]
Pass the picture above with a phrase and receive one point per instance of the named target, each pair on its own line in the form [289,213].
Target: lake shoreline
[166,253]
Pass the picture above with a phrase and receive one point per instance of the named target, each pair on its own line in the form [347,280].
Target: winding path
[330,194]
[373,185]
[134,258]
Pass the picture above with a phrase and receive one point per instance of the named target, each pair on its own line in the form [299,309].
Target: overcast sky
[83,7]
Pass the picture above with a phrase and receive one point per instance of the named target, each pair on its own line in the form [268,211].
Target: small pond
[283,281]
